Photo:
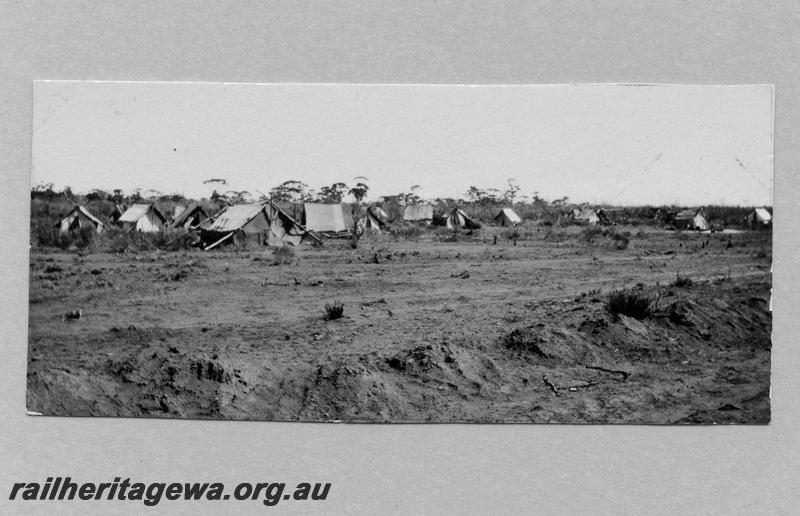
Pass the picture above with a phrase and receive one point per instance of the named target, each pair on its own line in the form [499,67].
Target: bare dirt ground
[433,330]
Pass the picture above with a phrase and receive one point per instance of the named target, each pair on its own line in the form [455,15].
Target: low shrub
[589,234]
[334,311]
[630,303]
[621,240]
[682,281]
[592,293]
[45,235]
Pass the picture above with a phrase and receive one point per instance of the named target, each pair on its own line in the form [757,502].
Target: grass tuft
[334,311]
[682,281]
[630,303]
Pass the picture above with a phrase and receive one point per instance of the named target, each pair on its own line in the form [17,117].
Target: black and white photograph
[400,253]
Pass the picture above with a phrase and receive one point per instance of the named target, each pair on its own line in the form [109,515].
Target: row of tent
[276,227]
[457,218]
[329,219]
[689,219]
[146,218]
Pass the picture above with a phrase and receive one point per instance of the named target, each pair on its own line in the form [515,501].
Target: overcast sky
[685,145]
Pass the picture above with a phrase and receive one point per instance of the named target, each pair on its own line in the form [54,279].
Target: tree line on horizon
[482,203]
[294,191]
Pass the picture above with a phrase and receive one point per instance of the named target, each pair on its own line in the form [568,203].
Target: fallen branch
[551,385]
[625,374]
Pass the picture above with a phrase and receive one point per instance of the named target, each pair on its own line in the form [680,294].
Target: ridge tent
[372,221]
[508,217]
[378,212]
[146,218]
[585,215]
[691,219]
[760,216]
[332,220]
[177,210]
[190,217]
[457,219]
[78,218]
[602,216]
[418,212]
[269,223]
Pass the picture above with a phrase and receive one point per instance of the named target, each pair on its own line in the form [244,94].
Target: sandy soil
[432,330]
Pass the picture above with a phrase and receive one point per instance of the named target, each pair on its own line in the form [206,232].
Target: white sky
[593,143]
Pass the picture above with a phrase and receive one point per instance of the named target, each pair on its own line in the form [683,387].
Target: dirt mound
[551,345]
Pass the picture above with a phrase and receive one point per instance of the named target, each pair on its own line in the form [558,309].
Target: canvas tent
[759,217]
[691,219]
[177,210]
[507,217]
[418,213]
[146,218]
[78,218]
[586,215]
[328,219]
[458,219]
[379,214]
[190,217]
[271,225]
[374,220]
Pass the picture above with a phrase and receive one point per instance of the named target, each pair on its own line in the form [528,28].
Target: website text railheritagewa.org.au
[59,489]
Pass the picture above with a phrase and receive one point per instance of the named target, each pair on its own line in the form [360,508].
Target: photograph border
[433,469]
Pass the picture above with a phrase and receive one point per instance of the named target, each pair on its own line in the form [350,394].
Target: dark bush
[621,240]
[682,281]
[46,236]
[630,303]
[334,310]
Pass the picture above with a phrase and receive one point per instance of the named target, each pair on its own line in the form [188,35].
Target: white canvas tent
[78,218]
[508,217]
[328,219]
[418,213]
[586,215]
[458,219]
[146,218]
[700,223]
[177,210]
[760,216]
[191,217]
[379,213]
[691,219]
[271,225]
[374,220]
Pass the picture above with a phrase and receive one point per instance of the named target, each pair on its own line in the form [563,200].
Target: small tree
[288,191]
[238,196]
[475,194]
[337,192]
[358,192]
[219,199]
[332,194]
[511,192]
